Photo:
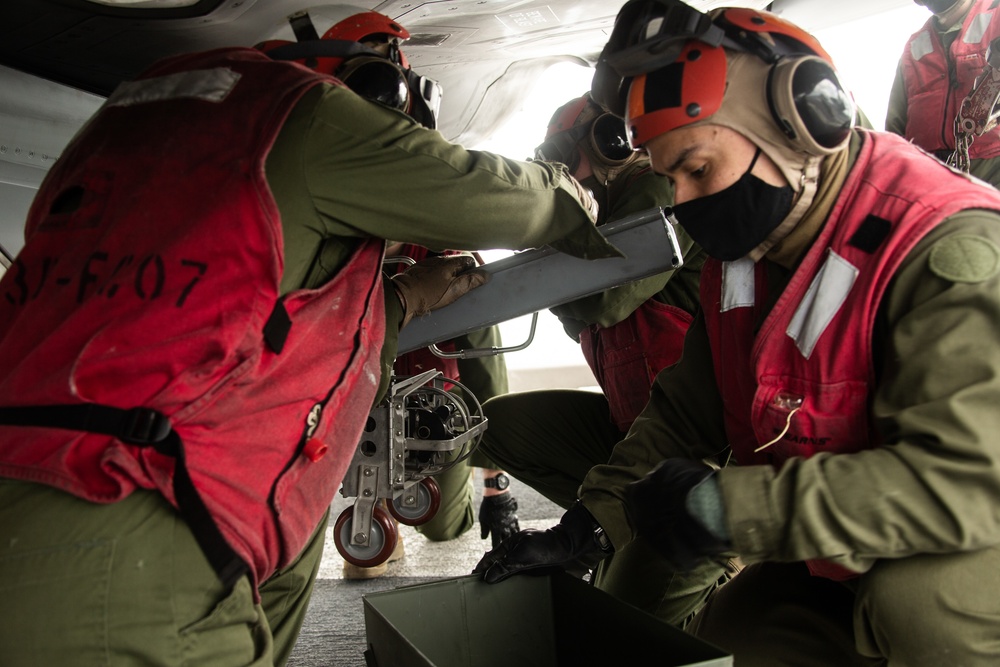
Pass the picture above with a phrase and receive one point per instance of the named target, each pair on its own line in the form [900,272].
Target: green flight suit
[918,516]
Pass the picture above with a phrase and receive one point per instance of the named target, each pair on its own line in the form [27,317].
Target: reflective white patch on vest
[737,284]
[822,301]
[210,85]
[977,28]
[921,45]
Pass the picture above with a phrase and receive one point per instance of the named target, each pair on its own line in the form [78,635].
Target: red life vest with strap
[803,381]
[150,279]
[934,94]
[626,356]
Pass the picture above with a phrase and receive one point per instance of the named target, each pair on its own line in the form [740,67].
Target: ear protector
[809,105]
[805,97]
[363,69]
[804,94]
[605,136]
[386,79]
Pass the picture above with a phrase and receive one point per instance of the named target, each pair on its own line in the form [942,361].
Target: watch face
[500,482]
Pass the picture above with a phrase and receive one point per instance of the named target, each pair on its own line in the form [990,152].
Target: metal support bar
[542,278]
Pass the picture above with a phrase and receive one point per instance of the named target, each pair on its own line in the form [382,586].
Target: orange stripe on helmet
[686,91]
[752,20]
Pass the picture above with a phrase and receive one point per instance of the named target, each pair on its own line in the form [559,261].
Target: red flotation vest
[804,379]
[143,340]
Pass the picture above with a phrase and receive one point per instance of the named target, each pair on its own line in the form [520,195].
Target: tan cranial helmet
[782,69]
[667,66]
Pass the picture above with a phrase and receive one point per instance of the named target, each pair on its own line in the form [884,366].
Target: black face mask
[938,6]
[732,222]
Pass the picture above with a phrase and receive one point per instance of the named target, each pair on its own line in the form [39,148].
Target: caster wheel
[427,494]
[381,544]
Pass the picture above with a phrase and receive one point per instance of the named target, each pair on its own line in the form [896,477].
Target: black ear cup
[609,140]
[809,104]
[376,79]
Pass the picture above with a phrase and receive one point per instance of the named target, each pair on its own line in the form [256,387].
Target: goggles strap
[303,27]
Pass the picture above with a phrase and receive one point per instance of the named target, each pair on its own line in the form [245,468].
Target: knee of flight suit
[931,609]
[455,515]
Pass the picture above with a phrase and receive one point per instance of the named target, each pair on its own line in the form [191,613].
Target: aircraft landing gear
[426,425]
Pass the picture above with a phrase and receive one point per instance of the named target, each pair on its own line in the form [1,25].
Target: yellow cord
[788,422]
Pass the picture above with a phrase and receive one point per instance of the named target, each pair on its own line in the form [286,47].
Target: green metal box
[525,621]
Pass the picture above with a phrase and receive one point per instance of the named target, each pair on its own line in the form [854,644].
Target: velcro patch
[965,259]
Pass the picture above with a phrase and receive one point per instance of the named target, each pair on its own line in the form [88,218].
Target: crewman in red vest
[937,70]
[198,325]
[846,356]
[375,76]
[549,439]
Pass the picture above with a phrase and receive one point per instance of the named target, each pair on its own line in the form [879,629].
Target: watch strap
[494,482]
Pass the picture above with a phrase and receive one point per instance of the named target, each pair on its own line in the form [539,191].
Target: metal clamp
[979,113]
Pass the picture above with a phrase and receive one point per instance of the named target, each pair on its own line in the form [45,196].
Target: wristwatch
[500,482]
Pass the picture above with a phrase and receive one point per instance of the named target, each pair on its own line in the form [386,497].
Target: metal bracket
[361,521]
[476,353]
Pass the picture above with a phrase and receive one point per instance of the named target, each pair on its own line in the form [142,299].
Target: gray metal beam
[538,279]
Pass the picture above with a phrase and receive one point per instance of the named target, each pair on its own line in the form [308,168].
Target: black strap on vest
[277,327]
[144,427]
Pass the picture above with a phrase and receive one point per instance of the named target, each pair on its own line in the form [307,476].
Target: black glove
[659,506]
[576,544]
[498,517]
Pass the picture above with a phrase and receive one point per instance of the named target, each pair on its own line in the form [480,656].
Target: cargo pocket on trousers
[233,632]
[55,604]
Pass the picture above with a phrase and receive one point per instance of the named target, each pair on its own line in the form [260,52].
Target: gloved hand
[576,544]
[435,282]
[497,517]
[674,507]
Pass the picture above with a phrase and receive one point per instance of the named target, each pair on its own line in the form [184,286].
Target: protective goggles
[649,34]
[376,79]
[425,93]
[374,76]
[605,136]
[385,82]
